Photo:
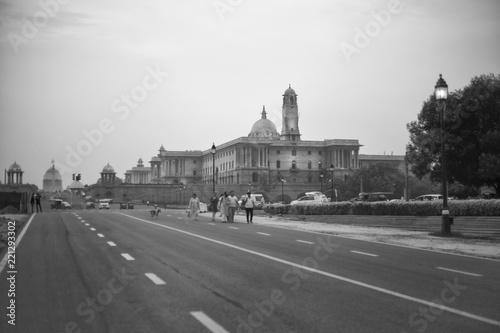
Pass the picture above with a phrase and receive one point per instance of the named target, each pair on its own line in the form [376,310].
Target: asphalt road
[121,271]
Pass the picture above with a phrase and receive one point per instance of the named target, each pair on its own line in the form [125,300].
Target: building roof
[290,91]
[264,127]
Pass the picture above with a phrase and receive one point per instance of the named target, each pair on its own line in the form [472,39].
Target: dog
[155,212]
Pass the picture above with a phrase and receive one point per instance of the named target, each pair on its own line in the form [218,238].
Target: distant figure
[37,200]
[249,204]
[213,205]
[32,201]
[147,203]
[232,203]
[223,207]
[194,207]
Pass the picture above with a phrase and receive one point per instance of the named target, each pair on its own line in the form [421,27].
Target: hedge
[400,208]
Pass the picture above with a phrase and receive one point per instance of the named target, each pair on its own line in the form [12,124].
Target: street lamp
[441,94]
[321,178]
[249,186]
[332,169]
[407,192]
[282,190]
[213,167]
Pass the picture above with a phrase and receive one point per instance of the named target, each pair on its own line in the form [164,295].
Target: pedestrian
[232,203]
[194,207]
[223,207]
[213,205]
[249,204]
[32,202]
[37,200]
[147,203]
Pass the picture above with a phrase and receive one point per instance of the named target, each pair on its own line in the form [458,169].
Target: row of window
[294,152]
[294,165]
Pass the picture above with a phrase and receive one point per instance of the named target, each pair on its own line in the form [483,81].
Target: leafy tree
[471,135]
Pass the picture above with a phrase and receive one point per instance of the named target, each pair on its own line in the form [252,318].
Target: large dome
[264,128]
[290,91]
[52,173]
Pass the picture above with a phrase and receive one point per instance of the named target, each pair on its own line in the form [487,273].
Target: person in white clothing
[249,204]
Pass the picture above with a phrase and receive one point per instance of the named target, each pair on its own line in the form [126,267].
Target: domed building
[14,174]
[108,175]
[264,128]
[52,180]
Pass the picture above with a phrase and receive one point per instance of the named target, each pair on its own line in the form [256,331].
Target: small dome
[264,127]
[162,148]
[108,169]
[290,91]
[15,168]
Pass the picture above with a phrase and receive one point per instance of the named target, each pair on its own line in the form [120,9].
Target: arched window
[278,164]
[294,165]
[309,165]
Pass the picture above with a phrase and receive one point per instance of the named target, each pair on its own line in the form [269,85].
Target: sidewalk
[473,246]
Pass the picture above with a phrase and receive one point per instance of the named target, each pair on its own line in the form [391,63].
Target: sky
[87,83]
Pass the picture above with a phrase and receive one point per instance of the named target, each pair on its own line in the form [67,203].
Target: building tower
[290,128]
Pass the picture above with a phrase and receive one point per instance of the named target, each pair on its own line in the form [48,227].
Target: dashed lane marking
[87,224]
[263,233]
[93,229]
[365,254]
[303,241]
[211,223]
[127,256]
[111,244]
[234,228]
[208,322]
[461,272]
[100,235]
[155,279]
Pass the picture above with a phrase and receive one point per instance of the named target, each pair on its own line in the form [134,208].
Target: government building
[260,161]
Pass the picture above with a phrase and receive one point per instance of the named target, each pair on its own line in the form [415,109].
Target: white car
[103,204]
[429,197]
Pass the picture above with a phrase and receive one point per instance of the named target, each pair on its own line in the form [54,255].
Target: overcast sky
[134,75]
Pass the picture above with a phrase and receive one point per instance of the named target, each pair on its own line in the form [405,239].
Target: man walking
[232,203]
[213,205]
[37,200]
[249,204]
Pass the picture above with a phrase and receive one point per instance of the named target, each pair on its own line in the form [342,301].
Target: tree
[471,135]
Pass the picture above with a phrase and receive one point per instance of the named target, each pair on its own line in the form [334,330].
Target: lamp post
[249,186]
[441,94]
[407,193]
[332,169]
[213,167]
[180,195]
[321,178]
[282,190]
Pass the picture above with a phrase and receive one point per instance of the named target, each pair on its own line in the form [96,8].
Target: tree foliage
[471,135]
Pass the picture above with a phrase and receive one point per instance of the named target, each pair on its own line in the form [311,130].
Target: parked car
[429,197]
[316,197]
[130,205]
[65,205]
[373,196]
[89,205]
[123,205]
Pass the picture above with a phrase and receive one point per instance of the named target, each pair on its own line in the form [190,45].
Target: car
[89,205]
[429,197]
[123,205]
[302,199]
[65,205]
[130,205]
[104,204]
[373,196]
[311,197]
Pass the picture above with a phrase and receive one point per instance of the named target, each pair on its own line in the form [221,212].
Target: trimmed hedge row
[400,208]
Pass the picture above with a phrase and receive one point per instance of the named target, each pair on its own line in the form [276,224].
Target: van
[104,203]
[429,197]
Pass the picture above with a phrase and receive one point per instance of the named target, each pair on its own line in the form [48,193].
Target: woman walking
[223,207]
[194,207]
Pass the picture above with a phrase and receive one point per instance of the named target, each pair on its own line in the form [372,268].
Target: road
[121,271]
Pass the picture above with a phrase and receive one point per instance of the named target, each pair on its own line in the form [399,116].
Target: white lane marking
[234,228]
[100,235]
[82,221]
[333,276]
[263,233]
[111,244]
[79,218]
[461,272]
[179,217]
[154,278]
[87,224]
[303,241]
[127,256]
[18,240]
[169,215]
[211,223]
[366,254]
[208,322]
[93,229]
